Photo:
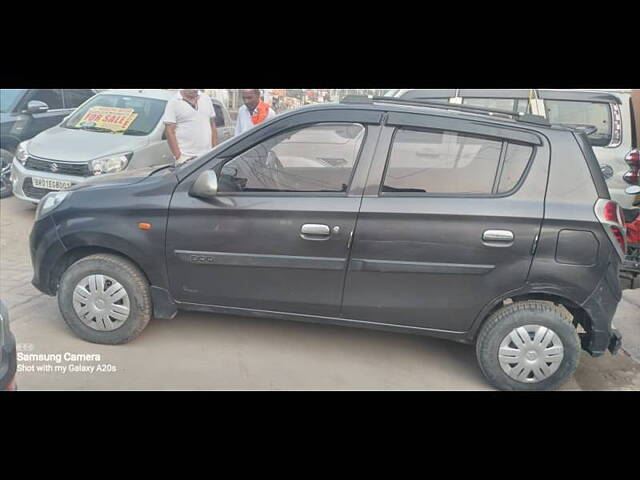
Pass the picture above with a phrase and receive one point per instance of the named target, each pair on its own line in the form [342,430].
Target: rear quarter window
[515,162]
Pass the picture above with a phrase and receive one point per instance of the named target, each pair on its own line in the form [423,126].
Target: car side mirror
[205,186]
[36,106]
[633,190]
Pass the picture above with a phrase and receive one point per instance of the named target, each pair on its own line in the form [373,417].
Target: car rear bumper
[601,307]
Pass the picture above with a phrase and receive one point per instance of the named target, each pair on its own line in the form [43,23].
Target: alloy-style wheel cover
[101,302]
[531,353]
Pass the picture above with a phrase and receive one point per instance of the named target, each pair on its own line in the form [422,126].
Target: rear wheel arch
[580,316]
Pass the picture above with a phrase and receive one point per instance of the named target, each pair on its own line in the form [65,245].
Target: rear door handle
[498,236]
[315,229]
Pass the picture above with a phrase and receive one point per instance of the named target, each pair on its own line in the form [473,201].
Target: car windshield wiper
[134,132]
[94,129]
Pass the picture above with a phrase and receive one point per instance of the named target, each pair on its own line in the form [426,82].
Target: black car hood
[128,177]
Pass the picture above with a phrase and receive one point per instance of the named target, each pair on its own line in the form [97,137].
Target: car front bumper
[21,178]
[46,250]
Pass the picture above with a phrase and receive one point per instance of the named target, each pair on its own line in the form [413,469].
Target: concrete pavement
[211,352]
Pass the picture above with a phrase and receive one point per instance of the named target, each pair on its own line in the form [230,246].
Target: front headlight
[110,164]
[21,152]
[50,202]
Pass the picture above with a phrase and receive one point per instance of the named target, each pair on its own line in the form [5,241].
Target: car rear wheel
[105,299]
[529,345]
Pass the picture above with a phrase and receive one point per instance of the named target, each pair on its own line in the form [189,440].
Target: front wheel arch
[72,256]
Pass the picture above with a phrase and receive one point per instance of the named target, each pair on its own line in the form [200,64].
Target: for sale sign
[112,118]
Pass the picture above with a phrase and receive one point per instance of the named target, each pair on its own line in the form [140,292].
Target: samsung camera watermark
[67,362]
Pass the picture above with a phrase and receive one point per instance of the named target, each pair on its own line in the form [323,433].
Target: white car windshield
[123,114]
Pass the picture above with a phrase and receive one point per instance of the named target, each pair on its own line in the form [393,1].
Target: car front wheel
[105,299]
[530,345]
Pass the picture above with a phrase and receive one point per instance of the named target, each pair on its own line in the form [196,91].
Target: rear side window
[441,162]
[450,163]
[572,112]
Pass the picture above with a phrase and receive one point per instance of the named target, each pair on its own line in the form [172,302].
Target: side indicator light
[144,226]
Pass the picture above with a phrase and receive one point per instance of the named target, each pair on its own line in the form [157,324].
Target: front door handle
[315,229]
[498,236]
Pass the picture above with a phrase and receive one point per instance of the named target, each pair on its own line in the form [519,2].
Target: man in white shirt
[253,112]
[190,123]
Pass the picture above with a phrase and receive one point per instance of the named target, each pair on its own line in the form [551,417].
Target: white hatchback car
[74,150]
[611,111]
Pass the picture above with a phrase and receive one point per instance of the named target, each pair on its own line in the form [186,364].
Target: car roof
[594,95]
[434,111]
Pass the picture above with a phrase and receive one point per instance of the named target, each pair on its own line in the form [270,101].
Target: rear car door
[276,236]
[448,221]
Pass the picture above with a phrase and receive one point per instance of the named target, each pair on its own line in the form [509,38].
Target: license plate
[50,184]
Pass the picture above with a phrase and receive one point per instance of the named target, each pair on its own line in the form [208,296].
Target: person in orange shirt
[253,112]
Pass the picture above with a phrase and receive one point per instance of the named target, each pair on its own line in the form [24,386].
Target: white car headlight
[110,164]
[21,152]
[50,202]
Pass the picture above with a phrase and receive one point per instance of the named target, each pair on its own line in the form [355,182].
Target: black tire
[6,188]
[124,272]
[531,312]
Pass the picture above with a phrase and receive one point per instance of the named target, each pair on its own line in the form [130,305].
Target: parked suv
[611,112]
[76,150]
[26,112]
[369,213]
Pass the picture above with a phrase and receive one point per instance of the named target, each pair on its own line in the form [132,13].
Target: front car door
[34,123]
[276,237]
[448,221]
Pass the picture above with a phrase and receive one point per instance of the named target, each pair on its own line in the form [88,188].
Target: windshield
[112,113]
[583,113]
[9,97]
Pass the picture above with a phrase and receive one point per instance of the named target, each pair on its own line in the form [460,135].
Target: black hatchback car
[437,220]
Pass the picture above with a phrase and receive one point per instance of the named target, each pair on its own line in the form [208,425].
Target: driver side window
[318,158]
